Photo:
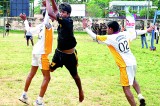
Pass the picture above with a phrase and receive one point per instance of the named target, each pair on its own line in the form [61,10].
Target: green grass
[97,69]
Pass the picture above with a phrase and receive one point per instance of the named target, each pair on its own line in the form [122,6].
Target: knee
[47,78]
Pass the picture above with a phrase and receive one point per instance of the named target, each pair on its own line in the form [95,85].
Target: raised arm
[54,6]
[50,10]
[33,30]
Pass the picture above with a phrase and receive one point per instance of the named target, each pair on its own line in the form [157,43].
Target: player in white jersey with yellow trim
[119,45]
[40,53]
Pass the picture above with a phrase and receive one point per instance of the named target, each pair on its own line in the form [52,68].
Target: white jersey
[44,43]
[28,33]
[119,45]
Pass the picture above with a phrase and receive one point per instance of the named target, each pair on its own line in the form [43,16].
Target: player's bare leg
[30,77]
[27,42]
[32,42]
[137,89]
[24,98]
[129,95]
[46,80]
[78,83]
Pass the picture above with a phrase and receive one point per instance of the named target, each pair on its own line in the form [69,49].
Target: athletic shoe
[141,100]
[36,103]
[24,99]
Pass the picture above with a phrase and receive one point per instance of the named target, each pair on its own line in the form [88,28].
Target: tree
[37,10]
[97,8]
[159,5]
[122,13]
[144,11]
[4,8]
[94,10]
[31,0]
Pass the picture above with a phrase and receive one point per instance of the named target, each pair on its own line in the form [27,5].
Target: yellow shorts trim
[45,62]
[124,77]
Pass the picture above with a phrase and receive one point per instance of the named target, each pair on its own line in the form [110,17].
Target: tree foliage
[37,10]
[97,8]
[94,11]
[143,13]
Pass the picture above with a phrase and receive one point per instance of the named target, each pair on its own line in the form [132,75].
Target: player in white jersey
[29,36]
[40,53]
[119,46]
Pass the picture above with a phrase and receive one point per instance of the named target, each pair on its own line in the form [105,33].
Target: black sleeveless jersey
[66,39]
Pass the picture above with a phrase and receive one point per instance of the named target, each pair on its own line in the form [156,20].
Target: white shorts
[127,75]
[40,60]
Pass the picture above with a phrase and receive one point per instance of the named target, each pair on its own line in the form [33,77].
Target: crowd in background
[99,29]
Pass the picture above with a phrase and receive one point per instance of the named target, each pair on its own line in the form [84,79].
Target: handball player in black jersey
[65,53]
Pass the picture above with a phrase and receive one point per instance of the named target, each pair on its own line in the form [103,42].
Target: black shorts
[70,61]
[28,37]
[7,30]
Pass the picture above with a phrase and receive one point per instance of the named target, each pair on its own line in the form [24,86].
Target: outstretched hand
[23,16]
[84,22]
[150,28]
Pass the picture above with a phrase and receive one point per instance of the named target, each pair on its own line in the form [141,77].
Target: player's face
[64,14]
[109,31]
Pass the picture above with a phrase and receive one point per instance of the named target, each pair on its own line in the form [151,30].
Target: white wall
[78,10]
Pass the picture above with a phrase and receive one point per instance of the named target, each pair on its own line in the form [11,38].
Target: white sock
[139,94]
[40,99]
[24,93]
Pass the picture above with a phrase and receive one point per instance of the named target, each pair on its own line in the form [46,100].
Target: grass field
[97,69]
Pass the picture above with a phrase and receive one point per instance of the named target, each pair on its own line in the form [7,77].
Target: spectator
[7,28]
[143,39]
[97,29]
[28,36]
[157,35]
[123,28]
[103,28]
[93,28]
[148,34]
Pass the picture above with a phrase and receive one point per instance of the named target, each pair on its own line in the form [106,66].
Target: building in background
[134,5]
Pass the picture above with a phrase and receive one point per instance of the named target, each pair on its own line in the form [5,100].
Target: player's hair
[114,25]
[65,7]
